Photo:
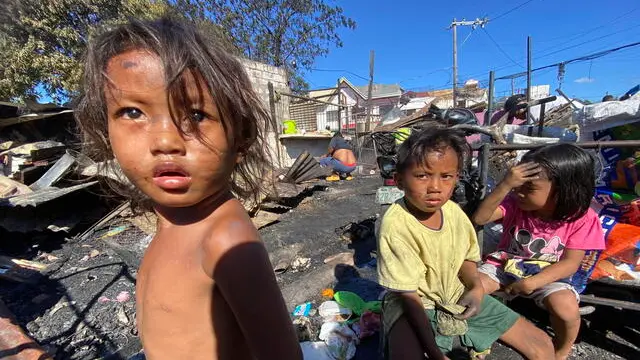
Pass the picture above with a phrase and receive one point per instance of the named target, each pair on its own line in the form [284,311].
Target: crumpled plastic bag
[340,340]
[368,324]
[316,350]
[331,311]
[354,302]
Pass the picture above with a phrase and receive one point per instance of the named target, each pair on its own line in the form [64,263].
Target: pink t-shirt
[529,237]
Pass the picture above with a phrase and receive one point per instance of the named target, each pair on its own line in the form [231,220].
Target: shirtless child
[180,117]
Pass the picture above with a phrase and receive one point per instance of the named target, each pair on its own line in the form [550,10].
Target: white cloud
[584,80]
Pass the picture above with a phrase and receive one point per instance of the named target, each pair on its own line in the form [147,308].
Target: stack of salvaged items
[38,163]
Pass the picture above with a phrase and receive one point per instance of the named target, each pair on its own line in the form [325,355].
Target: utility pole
[367,126]
[454,24]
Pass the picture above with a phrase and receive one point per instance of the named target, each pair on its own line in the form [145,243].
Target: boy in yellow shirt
[427,256]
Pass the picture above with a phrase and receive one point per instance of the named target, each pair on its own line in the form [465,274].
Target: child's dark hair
[571,171]
[512,102]
[433,138]
[181,49]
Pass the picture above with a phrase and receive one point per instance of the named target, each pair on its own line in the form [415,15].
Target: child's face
[536,195]
[428,186]
[173,169]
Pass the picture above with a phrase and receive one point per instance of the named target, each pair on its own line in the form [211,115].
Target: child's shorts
[497,274]
[484,329]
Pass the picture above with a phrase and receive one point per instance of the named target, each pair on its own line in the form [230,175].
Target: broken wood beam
[309,164]
[46,153]
[299,160]
[621,304]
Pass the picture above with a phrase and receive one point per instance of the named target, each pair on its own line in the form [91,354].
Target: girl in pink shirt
[543,204]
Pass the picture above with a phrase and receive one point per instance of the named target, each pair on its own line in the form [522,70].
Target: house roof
[380,90]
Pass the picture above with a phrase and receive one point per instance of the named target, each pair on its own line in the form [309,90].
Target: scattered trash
[123,296]
[368,325]
[281,267]
[122,316]
[340,340]
[304,329]
[94,253]
[20,270]
[48,257]
[103,299]
[300,264]
[327,293]
[113,232]
[342,257]
[302,309]
[355,303]
[61,304]
[331,311]
[316,350]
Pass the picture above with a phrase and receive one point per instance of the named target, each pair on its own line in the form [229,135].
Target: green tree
[42,41]
[283,33]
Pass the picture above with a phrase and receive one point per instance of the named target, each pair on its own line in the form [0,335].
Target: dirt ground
[84,307]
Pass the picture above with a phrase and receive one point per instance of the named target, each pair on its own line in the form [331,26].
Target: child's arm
[419,321]
[243,274]
[488,210]
[472,298]
[567,266]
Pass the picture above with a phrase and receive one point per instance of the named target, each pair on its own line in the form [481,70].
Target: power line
[341,71]
[543,55]
[578,59]
[510,11]
[547,54]
[500,48]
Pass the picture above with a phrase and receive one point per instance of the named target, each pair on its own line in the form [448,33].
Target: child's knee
[563,305]
[488,284]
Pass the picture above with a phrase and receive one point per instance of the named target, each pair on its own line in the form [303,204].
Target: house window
[384,109]
[332,117]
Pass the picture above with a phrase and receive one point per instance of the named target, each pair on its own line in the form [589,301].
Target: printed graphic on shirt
[525,245]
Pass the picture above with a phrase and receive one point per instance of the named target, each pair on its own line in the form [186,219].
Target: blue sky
[413,45]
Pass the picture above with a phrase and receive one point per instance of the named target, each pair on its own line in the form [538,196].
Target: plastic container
[289,127]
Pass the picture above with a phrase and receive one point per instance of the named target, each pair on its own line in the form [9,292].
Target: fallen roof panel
[42,196]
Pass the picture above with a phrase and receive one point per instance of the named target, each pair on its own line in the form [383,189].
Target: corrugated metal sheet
[43,195]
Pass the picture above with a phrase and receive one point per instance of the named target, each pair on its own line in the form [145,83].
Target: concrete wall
[260,75]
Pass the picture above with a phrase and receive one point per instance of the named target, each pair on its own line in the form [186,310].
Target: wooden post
[339,106]
[455,61]
[367,125]
[274,121]
[529,120]
[487,116]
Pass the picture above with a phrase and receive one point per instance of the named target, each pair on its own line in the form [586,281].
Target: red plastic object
[14,343]
[389,182]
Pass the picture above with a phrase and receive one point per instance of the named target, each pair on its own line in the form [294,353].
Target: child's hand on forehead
[522,173]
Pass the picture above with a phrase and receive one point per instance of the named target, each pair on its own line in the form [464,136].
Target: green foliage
[42,42]
[284,33]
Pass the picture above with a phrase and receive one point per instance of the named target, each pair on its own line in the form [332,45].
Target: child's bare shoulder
[231,228]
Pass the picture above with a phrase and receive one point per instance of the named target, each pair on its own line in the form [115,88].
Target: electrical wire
[588,57]
[510,11]
[342,71]
[500,48]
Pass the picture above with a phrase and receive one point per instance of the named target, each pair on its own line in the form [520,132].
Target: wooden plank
[20,270]
[32,174]
[46,153]
[627,305]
